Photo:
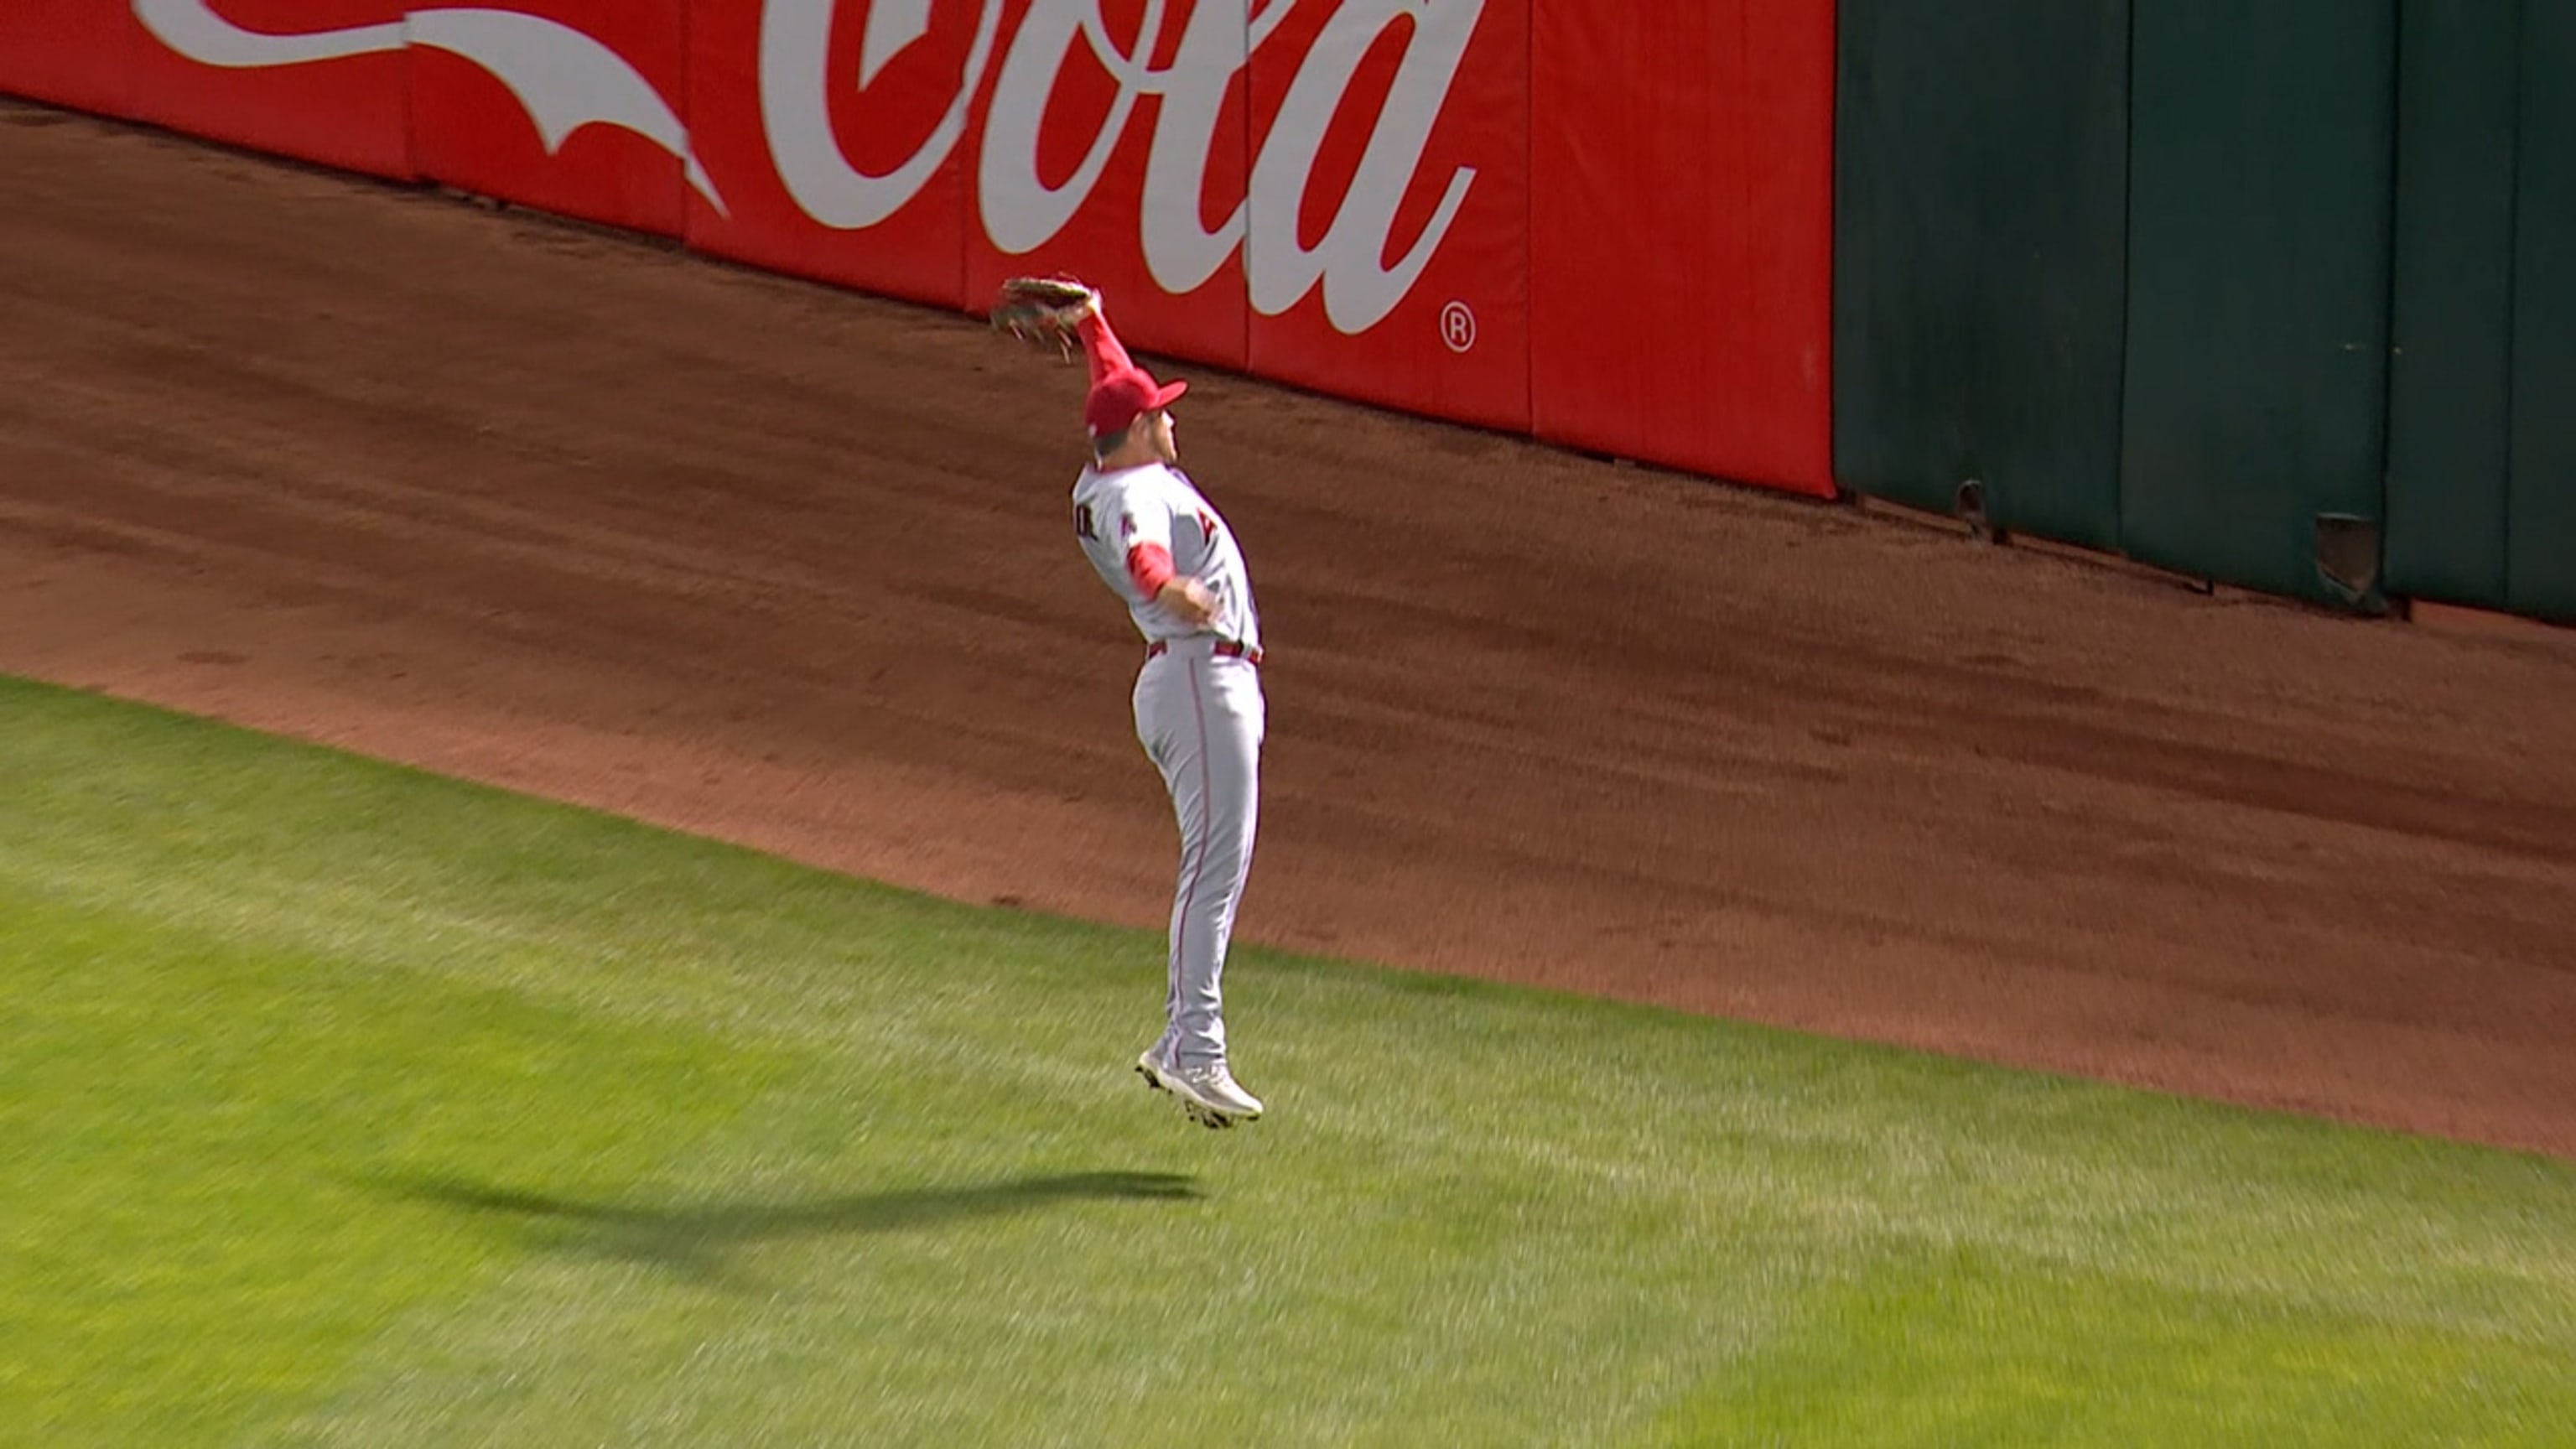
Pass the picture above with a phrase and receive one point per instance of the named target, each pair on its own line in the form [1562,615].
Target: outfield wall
[1384,200]
[2278,297]
[2281,295]
[2482,437]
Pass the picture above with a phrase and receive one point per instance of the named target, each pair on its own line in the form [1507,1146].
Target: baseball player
[1169,556]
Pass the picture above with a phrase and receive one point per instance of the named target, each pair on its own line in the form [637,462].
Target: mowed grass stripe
[538,1127]
[225,1165]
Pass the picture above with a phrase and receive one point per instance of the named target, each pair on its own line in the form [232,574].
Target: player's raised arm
[1107,356]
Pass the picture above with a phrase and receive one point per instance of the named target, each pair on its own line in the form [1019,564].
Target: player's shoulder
[1096,490]
[1143,481]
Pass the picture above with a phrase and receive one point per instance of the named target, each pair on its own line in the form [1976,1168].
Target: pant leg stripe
[1198,860]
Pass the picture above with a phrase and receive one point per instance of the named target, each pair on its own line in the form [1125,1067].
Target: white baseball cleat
[1209,1093]
[1151,1068]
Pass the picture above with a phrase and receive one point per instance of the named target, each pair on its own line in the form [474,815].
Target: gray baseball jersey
[1114,513]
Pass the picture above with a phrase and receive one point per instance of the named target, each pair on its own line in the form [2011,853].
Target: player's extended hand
[1189,601]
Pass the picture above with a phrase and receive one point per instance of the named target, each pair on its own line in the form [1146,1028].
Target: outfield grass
[347,1106]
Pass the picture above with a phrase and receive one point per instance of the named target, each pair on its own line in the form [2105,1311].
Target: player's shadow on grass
[696,1238]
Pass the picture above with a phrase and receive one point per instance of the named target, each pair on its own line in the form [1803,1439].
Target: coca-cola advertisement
[571,106]
[840,132]
[1389,250]
[1252,185]
[322,80]
[1116,142]
[1446,206]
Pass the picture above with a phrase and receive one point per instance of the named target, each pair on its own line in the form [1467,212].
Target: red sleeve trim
[1150,566]
[1101,344]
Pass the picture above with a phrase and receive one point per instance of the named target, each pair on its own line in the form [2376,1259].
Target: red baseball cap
[1119,399]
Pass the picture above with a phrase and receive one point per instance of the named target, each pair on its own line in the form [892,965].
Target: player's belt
[1224,648]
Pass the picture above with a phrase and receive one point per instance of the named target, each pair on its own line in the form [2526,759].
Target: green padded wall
[2261,146]
[1980,208]
[2541,517]
[2451,371]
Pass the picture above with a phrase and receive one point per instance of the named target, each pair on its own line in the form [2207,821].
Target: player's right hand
[1187,600]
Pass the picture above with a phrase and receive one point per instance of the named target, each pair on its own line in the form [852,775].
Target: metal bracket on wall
[2347,549]
[1970,505]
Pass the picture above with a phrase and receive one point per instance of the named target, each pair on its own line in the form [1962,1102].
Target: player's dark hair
[1108,443]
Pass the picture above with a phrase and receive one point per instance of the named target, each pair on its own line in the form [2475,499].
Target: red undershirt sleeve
[1103,348]
[1150,566]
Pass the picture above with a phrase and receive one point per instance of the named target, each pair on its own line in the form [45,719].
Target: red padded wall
[821,175]
[1070,146]
[608,73]
[1682,234]
[1412,111]
[319,80]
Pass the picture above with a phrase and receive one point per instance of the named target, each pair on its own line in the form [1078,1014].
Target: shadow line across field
[695,1237]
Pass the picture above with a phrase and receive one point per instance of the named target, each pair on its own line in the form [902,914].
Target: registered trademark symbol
[1457,326]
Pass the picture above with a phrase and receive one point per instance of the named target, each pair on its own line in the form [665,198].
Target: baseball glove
[1043,309]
